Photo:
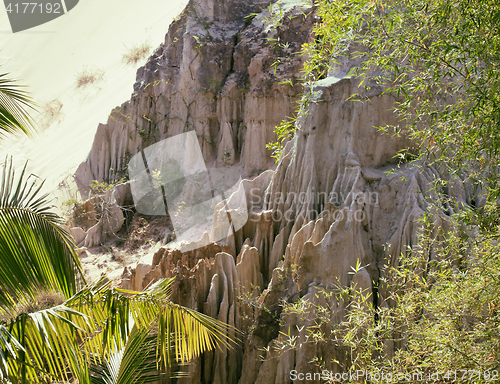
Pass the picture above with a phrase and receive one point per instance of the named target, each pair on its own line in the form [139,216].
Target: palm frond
[106,335]
[134,363]
[193,333]
[35,252]
[182,334]
[42,345]
[9,348]
[47,344]
[13,104]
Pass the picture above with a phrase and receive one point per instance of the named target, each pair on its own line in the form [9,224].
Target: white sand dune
[47,58]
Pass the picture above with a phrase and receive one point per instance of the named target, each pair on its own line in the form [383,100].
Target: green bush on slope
[441,59]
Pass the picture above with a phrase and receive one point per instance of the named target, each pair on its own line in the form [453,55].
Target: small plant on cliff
[85,214]
[227,157]
[100,187]
[284,133]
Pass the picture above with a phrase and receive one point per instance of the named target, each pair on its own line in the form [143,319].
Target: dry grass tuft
[136,53]
[89,76]
[51,112]
[44,300]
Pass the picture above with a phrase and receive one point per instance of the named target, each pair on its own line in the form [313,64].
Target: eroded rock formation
[215,75]
[330,205]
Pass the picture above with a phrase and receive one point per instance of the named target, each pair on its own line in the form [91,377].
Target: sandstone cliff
[330,203]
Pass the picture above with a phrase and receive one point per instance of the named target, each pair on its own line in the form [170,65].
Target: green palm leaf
[164,335]
[35,252]
[180,332]
[134,363]
[46,346]
[13,103]
[104,335]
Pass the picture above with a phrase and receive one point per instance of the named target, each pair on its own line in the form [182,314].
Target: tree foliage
[36,253]
[440,58]
[441,61]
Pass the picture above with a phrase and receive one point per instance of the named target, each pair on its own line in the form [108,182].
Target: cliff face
[329,205]
[214,75]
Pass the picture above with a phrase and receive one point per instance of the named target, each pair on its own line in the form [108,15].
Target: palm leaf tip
[14,103]
[36,253]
